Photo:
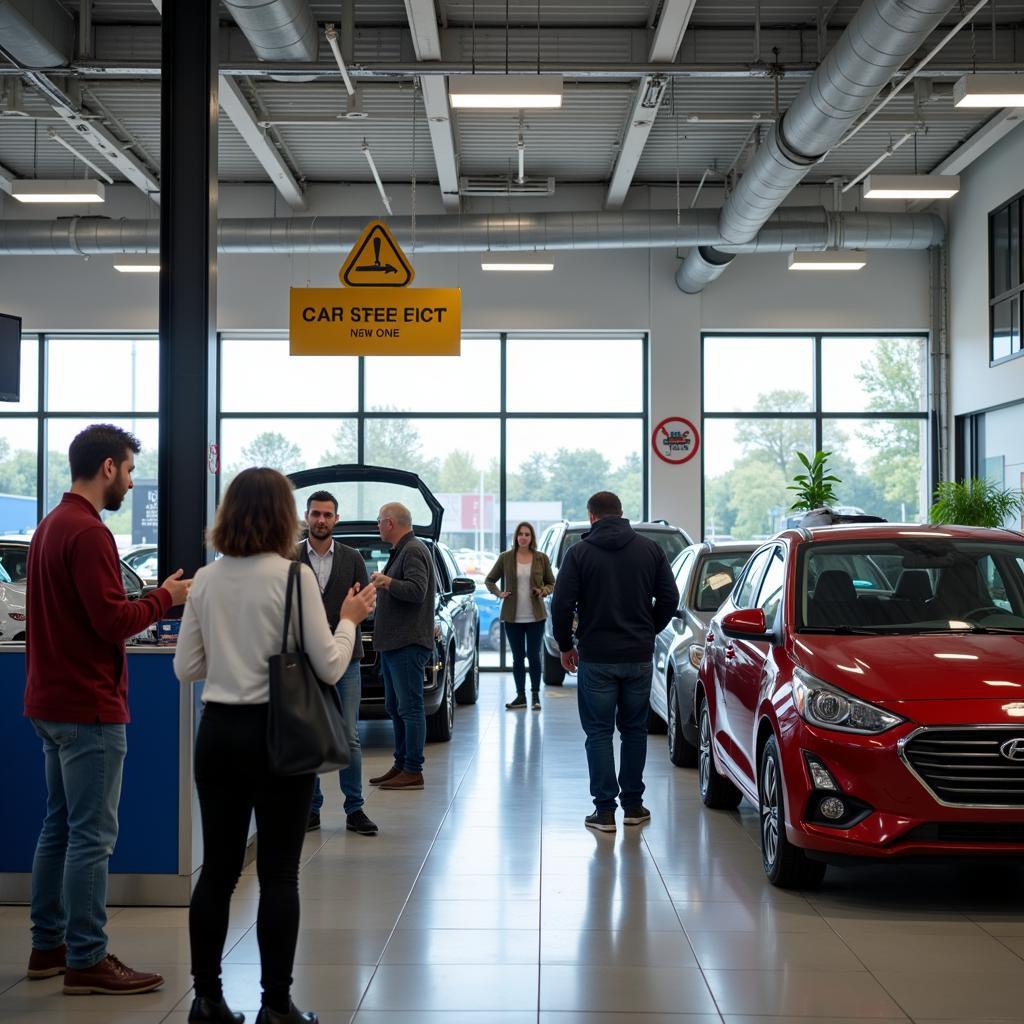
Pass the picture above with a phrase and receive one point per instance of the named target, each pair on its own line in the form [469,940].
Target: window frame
[1015,291]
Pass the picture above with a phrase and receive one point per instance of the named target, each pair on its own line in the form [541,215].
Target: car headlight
[696,653]
[829,708]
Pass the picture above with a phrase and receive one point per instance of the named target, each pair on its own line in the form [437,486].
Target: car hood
[360,492]
[943,666]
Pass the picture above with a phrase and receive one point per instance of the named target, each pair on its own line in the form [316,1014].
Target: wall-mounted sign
[377,314]
[675,440]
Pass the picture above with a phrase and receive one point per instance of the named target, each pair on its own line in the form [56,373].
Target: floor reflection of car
[878,722]
[556,541]
[489,608]
[704,574]
[12,608]
[453,673]
[143,560]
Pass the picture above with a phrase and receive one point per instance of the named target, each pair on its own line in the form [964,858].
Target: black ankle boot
[204,1009]
[293,1016]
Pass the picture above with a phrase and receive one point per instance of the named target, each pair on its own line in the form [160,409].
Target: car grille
[964,767]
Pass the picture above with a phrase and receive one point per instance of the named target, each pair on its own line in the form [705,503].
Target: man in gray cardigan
[338,567]
[403,634]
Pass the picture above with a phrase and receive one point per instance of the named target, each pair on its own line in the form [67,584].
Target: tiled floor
[485,901]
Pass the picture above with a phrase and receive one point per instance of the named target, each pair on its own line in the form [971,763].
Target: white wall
[630,289]
[996,177]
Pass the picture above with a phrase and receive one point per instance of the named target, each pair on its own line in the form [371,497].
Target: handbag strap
[293,582]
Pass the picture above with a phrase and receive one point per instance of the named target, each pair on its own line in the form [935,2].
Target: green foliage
[813,488]
[777,440]
[975,502]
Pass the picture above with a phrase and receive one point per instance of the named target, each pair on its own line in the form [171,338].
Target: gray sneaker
[635,815]
[603,821]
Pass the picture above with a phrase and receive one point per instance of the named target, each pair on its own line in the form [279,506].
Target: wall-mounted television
[10,358]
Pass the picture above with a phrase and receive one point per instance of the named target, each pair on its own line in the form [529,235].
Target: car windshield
[717,574]
[4,578]
[912,585]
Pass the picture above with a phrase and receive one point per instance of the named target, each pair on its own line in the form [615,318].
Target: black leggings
[233,780]
[524,640]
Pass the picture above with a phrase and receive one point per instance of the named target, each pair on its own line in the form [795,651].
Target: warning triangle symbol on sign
[376,261]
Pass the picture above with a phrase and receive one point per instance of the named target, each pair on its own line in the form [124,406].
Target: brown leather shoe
[405,780]
[47,963]
[391,773]
[109,977]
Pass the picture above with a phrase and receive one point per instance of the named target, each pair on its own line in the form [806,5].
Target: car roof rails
[830,517]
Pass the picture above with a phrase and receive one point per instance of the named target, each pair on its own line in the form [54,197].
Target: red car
[863,686]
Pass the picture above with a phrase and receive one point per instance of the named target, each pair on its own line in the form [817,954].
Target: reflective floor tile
[628,1017]
[625,989]
[960,995]
[478,887]
[772,951]
[470,914]
[616,948]
[321,946]
[69,1015]
[452,987]
[609,915]
[978,952]
[446,1017]
[744,917]
[316,987]
[462,946]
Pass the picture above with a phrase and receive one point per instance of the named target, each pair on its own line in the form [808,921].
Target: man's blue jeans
[351,778]
[610,695]
[69,872]
[403,671]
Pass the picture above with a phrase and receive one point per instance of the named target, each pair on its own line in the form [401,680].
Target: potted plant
[974,502]
[814,488]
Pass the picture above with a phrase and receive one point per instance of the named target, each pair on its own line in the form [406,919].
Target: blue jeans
[610,695]
[69,872]
[524,640]
[350,778]
[402,671]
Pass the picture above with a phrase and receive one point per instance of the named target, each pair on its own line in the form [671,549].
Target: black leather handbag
[305,727]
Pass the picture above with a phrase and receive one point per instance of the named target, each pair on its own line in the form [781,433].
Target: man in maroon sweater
[76,695]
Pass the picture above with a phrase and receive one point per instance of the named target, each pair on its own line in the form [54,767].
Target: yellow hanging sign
[377,314]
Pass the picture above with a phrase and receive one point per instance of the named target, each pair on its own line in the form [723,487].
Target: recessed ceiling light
[832,259]
[78,190]
[505,92]
[138,268]
[516,262]
[911,186]
[989,91]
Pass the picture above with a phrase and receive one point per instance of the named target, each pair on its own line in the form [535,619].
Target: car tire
[442,722]
[716,791]
[554,674]
[494,636]
[681,752]
[786,865]
[469,691]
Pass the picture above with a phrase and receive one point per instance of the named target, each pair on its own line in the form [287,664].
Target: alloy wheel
[449,692]
[769,810]
[704,749]
[673,713]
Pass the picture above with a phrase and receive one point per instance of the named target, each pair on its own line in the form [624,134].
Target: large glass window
[862,398]
[19,475]
[1006,278]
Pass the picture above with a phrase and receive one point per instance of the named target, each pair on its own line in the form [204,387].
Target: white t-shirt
[233,623]
[524,603]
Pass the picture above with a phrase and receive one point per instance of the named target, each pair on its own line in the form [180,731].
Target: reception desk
[159,844]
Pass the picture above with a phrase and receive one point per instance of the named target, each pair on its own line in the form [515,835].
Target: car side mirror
[463,585]
[747,624]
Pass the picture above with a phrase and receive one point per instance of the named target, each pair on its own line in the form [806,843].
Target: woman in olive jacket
[526,579]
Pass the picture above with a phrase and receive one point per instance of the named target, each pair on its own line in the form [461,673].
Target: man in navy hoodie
[619,586]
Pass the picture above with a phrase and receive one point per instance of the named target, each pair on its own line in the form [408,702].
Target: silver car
[704,574]
[12,608]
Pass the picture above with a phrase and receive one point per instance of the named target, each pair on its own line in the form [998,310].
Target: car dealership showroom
[665,354]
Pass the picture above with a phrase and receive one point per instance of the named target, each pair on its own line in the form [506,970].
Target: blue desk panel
[147,842]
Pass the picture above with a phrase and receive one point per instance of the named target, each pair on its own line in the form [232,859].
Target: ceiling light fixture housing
[989,91]
[78,190]
[138,268]
[911,186]
[505,92]
[517,262]
[832,259]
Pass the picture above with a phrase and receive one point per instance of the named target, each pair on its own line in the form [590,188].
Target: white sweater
[233,623]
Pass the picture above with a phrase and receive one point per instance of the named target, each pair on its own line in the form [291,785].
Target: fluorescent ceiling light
[505,92]
[832,259]
[79,190]
[911,186]
[516,262]
[989,91]
[138,268]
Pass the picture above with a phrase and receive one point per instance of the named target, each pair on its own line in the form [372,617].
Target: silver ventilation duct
[875,45]
[36,33]
[791,228]
[277,30]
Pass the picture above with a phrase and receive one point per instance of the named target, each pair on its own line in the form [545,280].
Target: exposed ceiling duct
[277,30]
[810,228]
[37,33]
[875,45]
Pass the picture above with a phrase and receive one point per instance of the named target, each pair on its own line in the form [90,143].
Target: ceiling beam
[7,179]
[242,116]
[668,37]
[426,42]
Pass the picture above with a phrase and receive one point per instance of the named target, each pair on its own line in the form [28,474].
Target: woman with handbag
[230,631]
[526,579]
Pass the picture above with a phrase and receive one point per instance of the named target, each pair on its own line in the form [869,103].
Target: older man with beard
[76,695]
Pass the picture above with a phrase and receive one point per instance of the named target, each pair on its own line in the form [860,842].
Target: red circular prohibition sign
[675,440]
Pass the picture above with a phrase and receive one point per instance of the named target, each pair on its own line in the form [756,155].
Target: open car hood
[361,490]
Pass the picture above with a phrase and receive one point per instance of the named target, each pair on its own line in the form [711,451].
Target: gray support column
[188,279]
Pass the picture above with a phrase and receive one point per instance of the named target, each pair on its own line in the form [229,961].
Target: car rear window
[717,573]
[671,543]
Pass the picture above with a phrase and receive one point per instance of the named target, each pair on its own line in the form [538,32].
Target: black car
[453,673]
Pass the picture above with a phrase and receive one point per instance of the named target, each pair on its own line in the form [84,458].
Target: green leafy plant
[974,502]
[813,488]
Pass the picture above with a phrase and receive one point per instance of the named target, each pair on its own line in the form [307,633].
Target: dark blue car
[489,608]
